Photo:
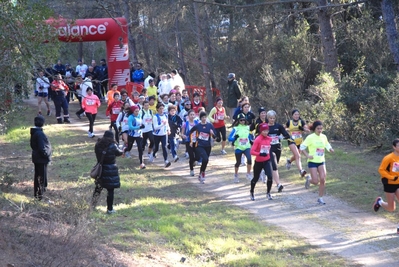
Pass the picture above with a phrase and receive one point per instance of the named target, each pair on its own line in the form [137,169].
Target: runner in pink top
[90,104]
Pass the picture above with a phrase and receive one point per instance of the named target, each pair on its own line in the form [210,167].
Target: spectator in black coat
[41,156]
[103,77]
[109,178]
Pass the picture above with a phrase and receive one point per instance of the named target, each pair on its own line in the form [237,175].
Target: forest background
[333,60]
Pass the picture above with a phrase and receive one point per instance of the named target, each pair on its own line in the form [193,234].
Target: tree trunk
[388,15]
[179,45]
[204,60]
[328,40]
[129,18]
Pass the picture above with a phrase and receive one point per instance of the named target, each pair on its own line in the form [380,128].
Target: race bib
[203,136]
[243,141]
[296,135]
[275,140]
[220,117]
[148,121]
[264,149]
[90,102]
[395,167]
[193,138]
[320,152]
[116,110]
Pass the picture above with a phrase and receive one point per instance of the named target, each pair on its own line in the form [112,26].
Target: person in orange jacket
[389,171]
[90,104]
[111,93]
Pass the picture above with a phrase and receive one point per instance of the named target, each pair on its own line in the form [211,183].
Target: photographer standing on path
[109,178]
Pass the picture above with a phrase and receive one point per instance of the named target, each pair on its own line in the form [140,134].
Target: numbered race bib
[220,117]
[116,110]
[243,141]
[275,140]
[264,149]
[193,138]
[296,135]
[395,167]
[203,136]
[320,152]
[90,102]
[148,120]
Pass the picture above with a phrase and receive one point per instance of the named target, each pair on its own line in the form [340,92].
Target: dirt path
[361,237]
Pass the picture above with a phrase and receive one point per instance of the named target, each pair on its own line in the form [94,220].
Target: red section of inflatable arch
[112,31]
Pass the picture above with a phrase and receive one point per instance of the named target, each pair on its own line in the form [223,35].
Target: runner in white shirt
[42,86]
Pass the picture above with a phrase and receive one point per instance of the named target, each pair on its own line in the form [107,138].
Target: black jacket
[110,176]
[41,147]
[175,123]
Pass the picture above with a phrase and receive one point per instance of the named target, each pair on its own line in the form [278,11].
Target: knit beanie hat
[108,134]
[261,109]
[263,127]
[39,121]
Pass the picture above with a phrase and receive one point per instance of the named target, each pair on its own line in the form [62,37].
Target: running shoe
[303,173]
[201,178]
[252,196]
[167,164]
[236,180]
[223,152]
[269,196]
[142,166]
[199,163]
[66,120]
[48,112]
[176,158]
[110,211]
[249,177]
[192,173]
[397,230]
[307,181]
[288,164]
[78,115]
[150,158]
[280,188]
[321,201]
[377,205]
[39,113]
[127,155]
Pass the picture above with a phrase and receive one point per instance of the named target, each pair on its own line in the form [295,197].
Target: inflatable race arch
[111,30]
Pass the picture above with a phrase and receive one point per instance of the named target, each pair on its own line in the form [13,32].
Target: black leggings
[160,139]
[40,180]
[149,136]
[258,166]
[110,196]
[113,126]
[92,119]
[191,153]
[203,152]
[139,141]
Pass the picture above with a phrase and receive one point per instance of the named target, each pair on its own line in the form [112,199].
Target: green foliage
[371,107]
[22,48]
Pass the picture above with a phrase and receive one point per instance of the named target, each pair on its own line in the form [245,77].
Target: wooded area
[335,60]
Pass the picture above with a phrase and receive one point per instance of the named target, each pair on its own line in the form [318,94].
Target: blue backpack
[138,76]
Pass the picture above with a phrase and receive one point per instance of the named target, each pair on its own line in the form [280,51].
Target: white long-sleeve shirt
[43,82]
[160,124]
